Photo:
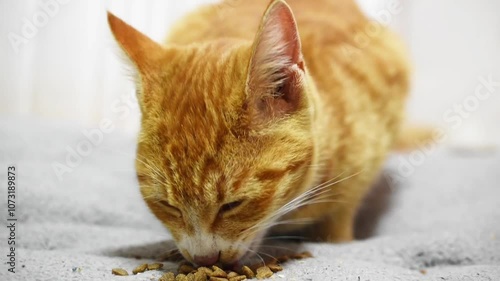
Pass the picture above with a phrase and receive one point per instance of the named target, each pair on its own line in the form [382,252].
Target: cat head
[226,139]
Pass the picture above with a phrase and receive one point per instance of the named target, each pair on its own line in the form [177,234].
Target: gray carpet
[438,219]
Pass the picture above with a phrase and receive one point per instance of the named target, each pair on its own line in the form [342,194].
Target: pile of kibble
[187,272]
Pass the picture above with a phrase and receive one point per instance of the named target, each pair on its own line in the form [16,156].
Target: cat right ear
[140,49]
[276,71]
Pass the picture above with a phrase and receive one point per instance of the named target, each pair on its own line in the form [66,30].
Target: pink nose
[207,260]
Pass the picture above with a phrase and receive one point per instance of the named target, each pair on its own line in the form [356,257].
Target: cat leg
[336,227]
[339,227]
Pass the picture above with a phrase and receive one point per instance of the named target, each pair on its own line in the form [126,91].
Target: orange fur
[242,114]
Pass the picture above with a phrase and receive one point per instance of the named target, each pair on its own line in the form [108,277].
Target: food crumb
[238,278]
[247,272]
[140,269]
[169,276]
[217,279]
[302,255]
[275,267]
[200,276]
[307,254]
[264,272]
[190,277]
[119,271]
[423,271]
[218,272]
[155,266]
[185,268]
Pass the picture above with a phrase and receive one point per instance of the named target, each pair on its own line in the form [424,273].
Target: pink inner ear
[277,67]
[277,44]
[284,19]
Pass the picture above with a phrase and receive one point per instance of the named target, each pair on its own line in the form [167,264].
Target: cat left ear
[140,49]
[276,70]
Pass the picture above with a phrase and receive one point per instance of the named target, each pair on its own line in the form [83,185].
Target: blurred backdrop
[58,60]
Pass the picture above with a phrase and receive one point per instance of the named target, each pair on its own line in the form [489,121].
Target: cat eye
[170,209]
[230,207]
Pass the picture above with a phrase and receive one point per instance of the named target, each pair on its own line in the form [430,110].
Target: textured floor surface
[433,216]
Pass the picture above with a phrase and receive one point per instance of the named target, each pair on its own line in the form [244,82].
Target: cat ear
[276,69]
[139,48]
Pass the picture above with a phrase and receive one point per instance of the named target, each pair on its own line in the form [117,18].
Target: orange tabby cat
[258,124]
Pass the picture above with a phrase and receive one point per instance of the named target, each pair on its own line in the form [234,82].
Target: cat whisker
[305,221]
[255,252]
[289,250]
[169,250]
[319,190]
[300,201]
[268,224]
[283,237]
[291,221]
[304,196]
[311,201]
[172,252]
[312,190]
[287,209]
[276,247]
[275,223]
[324,195]
[319,202]
[268,255]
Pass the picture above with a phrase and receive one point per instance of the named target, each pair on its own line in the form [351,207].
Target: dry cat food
[119,271]
[187,272]
[155,266]
[140,269]
[247,271]
[264,272]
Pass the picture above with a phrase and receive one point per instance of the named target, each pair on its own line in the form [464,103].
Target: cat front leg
[339,226]
[336,227]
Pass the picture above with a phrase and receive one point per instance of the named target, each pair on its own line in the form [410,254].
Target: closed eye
[170,209]
[226,208]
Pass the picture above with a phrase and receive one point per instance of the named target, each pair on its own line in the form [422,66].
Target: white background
[69,69]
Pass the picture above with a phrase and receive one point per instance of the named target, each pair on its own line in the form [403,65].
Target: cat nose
[207,260]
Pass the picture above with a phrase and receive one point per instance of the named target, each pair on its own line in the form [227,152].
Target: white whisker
[282,237]
[314,195]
